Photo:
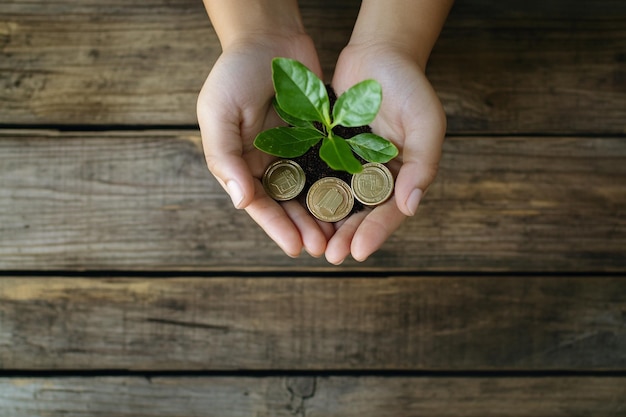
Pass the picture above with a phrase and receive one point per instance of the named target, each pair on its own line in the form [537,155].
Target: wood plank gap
[98,128]
[297,273]
[534,135]
[83,128]
[297,373]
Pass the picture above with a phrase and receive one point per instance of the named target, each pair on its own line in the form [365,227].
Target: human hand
[412,117]
[234,105]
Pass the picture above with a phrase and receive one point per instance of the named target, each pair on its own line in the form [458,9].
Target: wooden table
[129,286]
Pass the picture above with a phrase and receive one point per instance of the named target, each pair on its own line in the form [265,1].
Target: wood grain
[528,208]
[526,68]
[307,323]
[145,201]
[311,396]
[522,67]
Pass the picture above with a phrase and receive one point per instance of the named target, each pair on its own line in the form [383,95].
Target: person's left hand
[412,117]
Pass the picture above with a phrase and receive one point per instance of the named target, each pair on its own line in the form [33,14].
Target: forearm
[234,20]
[413,26]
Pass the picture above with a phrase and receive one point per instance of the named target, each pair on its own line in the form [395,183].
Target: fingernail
[414,200]
[235,192]
[336,263]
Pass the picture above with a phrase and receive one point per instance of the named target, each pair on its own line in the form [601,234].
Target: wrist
[244,21]
[409,26]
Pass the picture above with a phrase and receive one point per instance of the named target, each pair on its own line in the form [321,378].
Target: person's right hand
[235,104]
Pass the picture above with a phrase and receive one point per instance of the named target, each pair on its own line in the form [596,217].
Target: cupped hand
[412,117]
[234,105]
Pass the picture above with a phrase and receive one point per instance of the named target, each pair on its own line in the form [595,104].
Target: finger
[223,154]
[412,182]
[313,236]
[223,148]
[275,222]
[420,158]
[375,229]
[327,228]
[424,136]
[338,247]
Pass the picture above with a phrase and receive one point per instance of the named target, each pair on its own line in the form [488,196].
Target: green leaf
[338,155]
[293,121]
[358,105]
[373,148]
[287,142]
[299,92]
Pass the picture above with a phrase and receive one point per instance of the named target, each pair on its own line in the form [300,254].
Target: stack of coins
[329,199]
[373,185]
[284,180]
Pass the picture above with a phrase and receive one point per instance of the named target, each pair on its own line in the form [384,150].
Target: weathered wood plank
[529,67]
[307,323]
[311,396]
[145,201]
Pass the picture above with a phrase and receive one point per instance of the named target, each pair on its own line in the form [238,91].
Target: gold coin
[283,180]
[373,185]
[330,199]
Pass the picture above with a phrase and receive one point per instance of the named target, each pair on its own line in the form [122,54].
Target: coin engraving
[330,202]
[373,185]
[330,199]
[283,180]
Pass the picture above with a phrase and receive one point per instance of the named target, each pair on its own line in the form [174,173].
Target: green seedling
[302,102]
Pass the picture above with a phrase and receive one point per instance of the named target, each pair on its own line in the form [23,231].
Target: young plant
[302,102]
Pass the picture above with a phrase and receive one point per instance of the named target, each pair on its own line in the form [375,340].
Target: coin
[330,199]
[373,185]
[283,180]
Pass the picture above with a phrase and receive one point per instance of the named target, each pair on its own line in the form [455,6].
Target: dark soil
[315,168]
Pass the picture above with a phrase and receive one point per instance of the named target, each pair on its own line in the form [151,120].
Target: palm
[412,117]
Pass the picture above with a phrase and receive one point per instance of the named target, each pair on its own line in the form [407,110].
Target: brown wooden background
[129,286]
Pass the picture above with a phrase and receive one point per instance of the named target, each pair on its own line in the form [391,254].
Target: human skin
[391,43]
[234,105]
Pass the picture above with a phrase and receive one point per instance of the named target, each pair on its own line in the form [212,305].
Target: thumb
[223,150]
[233,174]
[412,182]
[420,157]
